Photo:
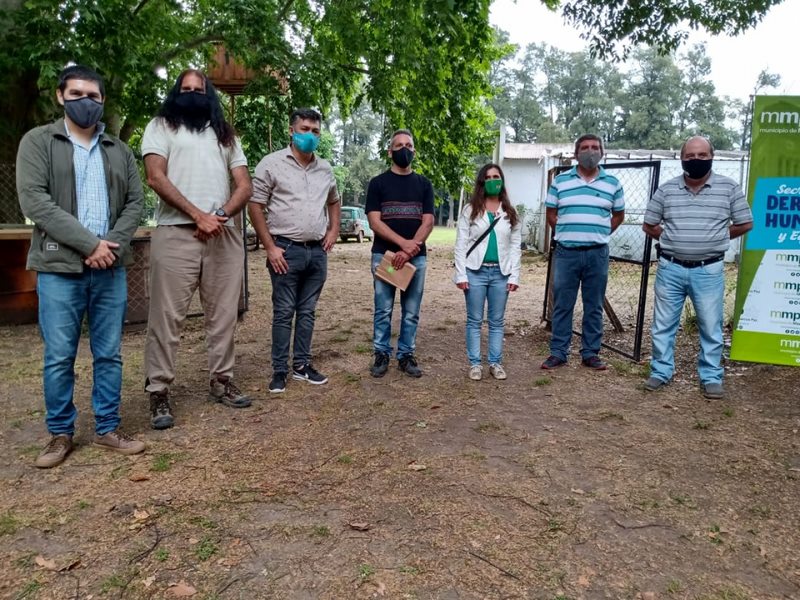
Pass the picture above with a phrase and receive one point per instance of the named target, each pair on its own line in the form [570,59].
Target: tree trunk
[450,222]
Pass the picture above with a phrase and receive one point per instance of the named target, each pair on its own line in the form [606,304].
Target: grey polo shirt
[295,198]
[696,225]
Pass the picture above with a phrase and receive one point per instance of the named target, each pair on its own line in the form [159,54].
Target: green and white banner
[767,312]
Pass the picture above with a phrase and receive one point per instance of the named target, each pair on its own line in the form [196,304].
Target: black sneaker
[278,383]
[160,411]
[309,374]
[381,365]
[408,365]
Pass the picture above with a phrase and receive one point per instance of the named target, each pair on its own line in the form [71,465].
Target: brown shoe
[55,452]
[119,441]
[223,390]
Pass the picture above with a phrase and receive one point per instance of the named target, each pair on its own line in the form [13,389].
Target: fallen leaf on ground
[48,564]
[648,596]
[141,515]
[148,581]
[138,477]
[359,526]
[577,491]
[583,581]
[181,589]
[194,541]
[381,591]
[415,466]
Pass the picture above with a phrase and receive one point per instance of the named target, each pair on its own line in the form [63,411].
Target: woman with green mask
[487,257]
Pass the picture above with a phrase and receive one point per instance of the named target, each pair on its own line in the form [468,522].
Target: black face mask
[402,157]
[696,168]
[84,112]
[194,105]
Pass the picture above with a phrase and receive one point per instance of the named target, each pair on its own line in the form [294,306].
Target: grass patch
[674,587]
[161,554]
[163,462]
[340,338]
[488,427]
[206,548]
[409,570]
[555,525]
[365,571]
[475,455]
[321,531]
[344,459]
[442,236]
[203,522]
[9,524]
[113,582]
[352,377]
[363,349]
[701,425]
[727,593]
[728,412]
[29,590]
[610,415]
[542,381]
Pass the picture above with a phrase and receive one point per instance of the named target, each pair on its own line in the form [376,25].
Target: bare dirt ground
[567,485]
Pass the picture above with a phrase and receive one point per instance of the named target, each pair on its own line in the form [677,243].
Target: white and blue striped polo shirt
[584,207]
[90,184]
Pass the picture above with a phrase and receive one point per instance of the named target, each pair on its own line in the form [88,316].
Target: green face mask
[493,186]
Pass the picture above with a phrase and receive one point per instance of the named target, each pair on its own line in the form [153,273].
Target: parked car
[354,224]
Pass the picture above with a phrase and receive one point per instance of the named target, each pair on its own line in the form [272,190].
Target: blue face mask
[305,142]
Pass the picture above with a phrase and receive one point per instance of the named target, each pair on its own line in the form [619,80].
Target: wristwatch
[220,212]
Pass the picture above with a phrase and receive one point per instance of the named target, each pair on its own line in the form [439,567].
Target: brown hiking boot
[160,410]
[223,390]
[55,452]
[119,441]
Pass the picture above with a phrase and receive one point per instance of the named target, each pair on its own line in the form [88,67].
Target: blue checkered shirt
[90,184]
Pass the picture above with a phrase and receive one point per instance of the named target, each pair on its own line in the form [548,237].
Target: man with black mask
[81,189]
[694,216]
[400,212]
[190,154]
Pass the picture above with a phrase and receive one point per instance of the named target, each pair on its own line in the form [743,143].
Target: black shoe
[160,411]
[309,374]
[408,365]
[381,365]
[278,383]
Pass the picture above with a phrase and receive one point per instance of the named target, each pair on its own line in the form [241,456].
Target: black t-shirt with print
[401,200]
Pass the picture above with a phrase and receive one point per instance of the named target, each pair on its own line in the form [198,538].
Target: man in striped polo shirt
[584,206]
[694,216]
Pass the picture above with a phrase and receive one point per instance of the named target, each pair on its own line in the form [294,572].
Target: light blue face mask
[305,142]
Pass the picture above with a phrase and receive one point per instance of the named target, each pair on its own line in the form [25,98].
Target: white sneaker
[476,372]
[497,371]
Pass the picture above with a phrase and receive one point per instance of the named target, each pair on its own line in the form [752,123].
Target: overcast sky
[735,62]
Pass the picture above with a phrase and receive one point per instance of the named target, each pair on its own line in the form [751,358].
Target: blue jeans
[410,302]
[705,286]
[64,299]
[487,287]
[294,296]
[589,270]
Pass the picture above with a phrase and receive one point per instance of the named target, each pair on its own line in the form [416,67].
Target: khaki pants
[179,264]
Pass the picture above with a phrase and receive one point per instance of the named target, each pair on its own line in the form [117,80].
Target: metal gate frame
[655,175]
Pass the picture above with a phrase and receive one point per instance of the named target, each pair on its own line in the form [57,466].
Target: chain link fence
[10,212]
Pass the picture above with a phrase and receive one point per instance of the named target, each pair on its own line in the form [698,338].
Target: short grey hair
[700,137]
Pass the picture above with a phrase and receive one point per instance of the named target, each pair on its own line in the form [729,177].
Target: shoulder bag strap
[486,232]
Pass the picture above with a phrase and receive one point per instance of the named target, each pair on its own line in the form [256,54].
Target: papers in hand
[400,278]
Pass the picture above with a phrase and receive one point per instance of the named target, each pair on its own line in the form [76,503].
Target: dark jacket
[47,196]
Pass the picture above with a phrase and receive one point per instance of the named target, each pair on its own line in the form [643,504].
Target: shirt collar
[101,128]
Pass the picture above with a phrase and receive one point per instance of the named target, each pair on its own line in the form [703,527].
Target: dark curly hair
[170,112]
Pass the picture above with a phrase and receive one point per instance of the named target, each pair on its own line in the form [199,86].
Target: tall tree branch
[139,7]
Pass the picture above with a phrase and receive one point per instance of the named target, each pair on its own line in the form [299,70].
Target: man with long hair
[81,189]
[400,212]
[295,211]
[190,154]
[585,205]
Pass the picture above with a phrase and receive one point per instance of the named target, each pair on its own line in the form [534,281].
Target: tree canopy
[421,64]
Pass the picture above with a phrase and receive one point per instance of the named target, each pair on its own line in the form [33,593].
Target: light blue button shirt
[90,183]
